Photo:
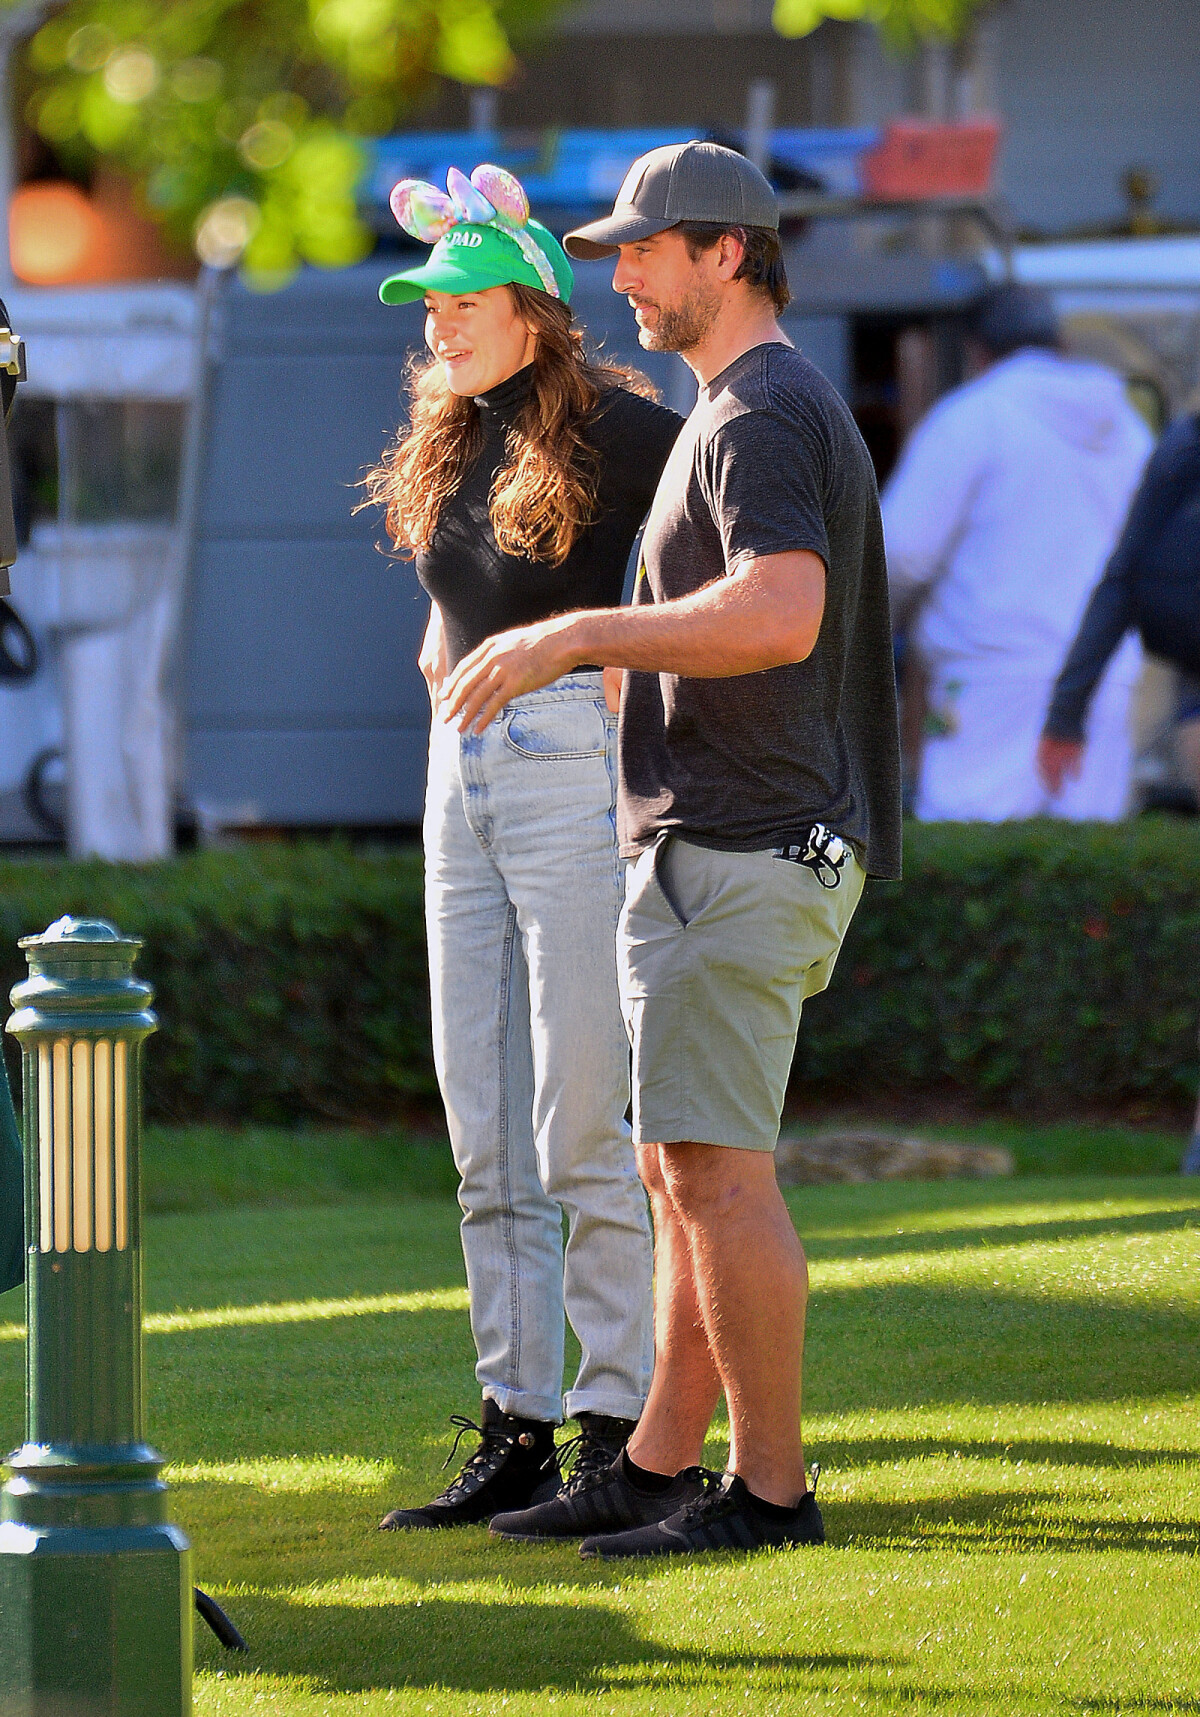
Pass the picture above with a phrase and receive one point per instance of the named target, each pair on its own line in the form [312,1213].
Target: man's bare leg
[685,1387]
[751,1281]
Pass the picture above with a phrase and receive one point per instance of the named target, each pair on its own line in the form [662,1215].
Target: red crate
[921,158]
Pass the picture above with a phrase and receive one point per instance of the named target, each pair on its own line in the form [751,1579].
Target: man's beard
[681,327]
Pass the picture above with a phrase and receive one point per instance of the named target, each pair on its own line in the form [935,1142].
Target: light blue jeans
[522,890]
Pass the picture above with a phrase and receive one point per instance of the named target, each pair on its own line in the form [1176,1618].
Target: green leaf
[902,21]
[472,46]
[106,123]
[801,17]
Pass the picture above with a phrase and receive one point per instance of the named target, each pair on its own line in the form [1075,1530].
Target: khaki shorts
[716,953]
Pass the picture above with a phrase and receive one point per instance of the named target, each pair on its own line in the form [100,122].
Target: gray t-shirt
[769,462]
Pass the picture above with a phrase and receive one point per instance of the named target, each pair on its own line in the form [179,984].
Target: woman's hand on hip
[432,658]
[502,668]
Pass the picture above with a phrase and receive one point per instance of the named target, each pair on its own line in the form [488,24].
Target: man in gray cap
[759,784]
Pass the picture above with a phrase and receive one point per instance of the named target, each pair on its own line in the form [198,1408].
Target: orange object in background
[61,237]
[922,158]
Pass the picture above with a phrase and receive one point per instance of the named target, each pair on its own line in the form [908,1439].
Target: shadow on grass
[481,1647]
[918,1239]
[834,1453]
[1000,1521]
[1137,1702]
[916,1345]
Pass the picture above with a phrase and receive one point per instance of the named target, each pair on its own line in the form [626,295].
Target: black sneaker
[599,1496]
[514,1465]
[724,1517]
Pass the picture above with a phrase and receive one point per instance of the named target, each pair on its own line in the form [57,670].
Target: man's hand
[504,667]
[1058,761]
[764,614]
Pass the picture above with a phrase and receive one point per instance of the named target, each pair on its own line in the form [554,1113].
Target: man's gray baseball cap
[679,182]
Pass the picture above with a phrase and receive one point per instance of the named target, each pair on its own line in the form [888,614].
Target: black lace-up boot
[514,1465]
[601,1439]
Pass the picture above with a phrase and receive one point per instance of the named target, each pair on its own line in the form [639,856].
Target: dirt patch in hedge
[858,1157]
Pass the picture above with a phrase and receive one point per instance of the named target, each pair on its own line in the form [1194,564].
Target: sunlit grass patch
[1157,1266]
[1027,1208]
[307,1311]
[299,1477]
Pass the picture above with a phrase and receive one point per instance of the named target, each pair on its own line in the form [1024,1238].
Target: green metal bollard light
[95,1584]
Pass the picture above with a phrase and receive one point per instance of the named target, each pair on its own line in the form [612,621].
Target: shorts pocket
[687,878]
[664,888]
[554,731]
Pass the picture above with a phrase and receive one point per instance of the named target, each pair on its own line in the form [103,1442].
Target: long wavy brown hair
[544,495]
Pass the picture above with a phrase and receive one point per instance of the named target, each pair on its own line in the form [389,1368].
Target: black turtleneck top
[482,591]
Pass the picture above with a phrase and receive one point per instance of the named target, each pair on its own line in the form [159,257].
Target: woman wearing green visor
[519,487]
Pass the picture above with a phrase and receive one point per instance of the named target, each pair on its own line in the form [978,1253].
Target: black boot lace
[592,1456]
[484,1464]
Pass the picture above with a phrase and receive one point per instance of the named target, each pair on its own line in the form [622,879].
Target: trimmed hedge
[290,980]
[1036,967]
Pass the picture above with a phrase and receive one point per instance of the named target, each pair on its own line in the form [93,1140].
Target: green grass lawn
[1001,1390]
[205,1167]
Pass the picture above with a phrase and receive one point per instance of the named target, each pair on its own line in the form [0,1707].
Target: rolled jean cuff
[612,1406]
[519,1404]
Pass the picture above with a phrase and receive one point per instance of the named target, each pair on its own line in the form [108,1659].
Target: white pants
[984,769]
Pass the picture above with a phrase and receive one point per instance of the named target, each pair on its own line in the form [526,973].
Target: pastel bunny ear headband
[491,197]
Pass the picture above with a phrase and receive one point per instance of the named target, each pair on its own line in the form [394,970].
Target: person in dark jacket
[1152,582]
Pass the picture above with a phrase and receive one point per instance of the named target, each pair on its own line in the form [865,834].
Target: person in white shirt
[998,519]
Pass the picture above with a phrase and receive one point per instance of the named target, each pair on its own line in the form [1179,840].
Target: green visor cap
[472,258]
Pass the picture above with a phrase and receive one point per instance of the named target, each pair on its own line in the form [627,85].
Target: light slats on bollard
[106,1173]
[120,1090]
[45,1150]
[83,1145]
[60,1129]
